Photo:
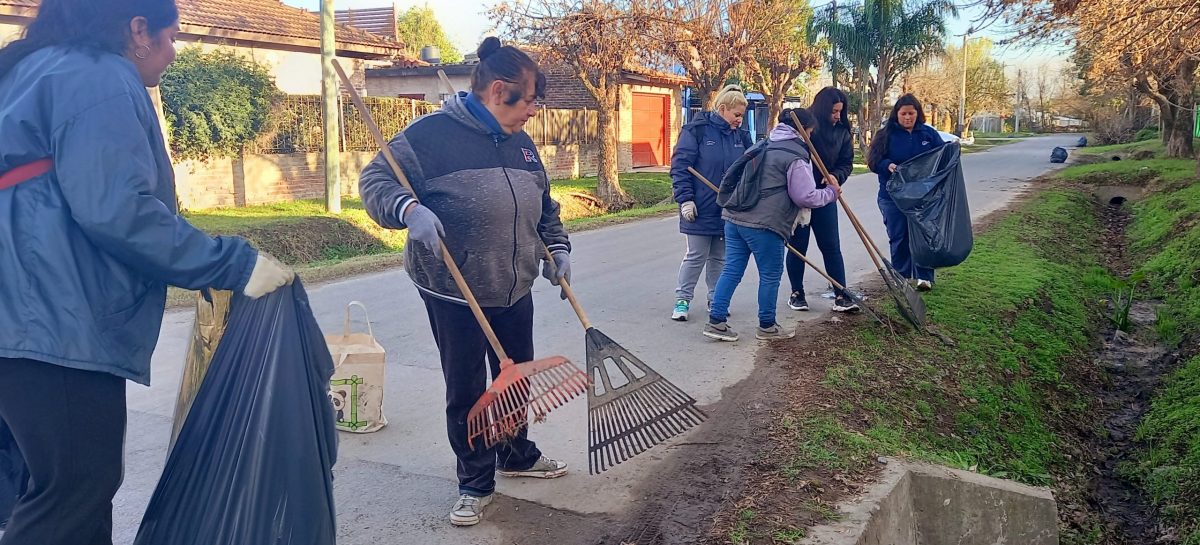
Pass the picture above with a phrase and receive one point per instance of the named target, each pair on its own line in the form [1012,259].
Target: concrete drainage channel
[920,504]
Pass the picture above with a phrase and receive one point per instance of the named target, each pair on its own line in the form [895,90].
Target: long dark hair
[508,64]
[879,144]
[822,107]
[96,25]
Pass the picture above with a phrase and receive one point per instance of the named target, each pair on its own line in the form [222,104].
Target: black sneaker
[797,301]
[844,304]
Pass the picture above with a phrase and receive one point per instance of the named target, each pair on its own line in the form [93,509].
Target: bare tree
[598,40]
[783,56]
[710,38]
[1044,92]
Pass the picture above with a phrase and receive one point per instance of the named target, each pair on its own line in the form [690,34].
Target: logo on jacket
[924,142]
[530,157]
[710,143]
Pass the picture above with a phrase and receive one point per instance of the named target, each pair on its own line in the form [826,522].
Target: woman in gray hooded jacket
[786,185]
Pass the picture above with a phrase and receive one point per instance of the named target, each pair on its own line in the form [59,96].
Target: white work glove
[688,209]
[802,219]
[268,275]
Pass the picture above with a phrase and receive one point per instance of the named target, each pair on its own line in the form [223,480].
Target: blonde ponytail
[731,96]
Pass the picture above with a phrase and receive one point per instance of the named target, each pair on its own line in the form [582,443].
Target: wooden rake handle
[786,244]
[566,286]
[399,173]
[872,249]
[570,293]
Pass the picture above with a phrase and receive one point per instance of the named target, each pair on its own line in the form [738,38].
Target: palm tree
[878,40]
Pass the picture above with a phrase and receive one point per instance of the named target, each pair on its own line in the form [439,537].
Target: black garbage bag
[1058,155]
[14,476]
[252,463]
[1082,142]
[931,192]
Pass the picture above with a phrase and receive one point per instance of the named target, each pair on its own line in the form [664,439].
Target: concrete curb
[921,504]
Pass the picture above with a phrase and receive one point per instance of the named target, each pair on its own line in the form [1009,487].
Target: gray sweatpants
[702,251]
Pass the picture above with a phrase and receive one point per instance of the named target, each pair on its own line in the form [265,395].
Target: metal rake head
[908,301]
[539,386]
[634,415]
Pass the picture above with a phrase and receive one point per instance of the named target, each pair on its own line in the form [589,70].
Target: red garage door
[650,130]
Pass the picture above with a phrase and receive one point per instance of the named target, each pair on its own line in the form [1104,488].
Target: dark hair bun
[490,45]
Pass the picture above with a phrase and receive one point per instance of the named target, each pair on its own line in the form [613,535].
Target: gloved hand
[561,269]
[688,209]
[268,275]
[424,227]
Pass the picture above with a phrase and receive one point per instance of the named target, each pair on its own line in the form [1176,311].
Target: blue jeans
[824,225]
[767,249]
[897,230]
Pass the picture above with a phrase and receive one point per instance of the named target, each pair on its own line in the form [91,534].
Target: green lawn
[302,233]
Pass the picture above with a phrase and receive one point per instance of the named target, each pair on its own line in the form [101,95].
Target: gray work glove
[688,210]
[560,269]
[424,227]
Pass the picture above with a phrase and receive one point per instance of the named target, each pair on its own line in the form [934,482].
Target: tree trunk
[608,183]
[1179,145]
[1181,95]
[774,107]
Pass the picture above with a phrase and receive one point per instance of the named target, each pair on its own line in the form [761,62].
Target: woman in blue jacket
[903,137]
[89,240]
[710,143]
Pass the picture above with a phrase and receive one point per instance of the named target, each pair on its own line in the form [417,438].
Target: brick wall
[262,179]
[564,90]
[266,179]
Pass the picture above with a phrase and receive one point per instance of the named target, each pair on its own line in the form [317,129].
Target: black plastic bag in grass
[931,192]
[252,464]
[14,476]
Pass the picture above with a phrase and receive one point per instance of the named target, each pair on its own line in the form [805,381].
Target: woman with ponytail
[710,143]
[484,192]
[89,240]
[785,184]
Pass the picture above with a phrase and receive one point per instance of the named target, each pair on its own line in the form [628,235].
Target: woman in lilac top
[786,185]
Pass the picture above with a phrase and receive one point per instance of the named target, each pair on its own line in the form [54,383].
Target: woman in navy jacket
[710,143]
[903,137]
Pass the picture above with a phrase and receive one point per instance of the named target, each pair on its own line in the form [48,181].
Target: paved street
[397,485]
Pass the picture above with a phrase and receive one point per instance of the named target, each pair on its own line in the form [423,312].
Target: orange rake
[540,385]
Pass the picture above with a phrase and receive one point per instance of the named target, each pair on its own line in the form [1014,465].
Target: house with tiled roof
[649,117]
[285,38]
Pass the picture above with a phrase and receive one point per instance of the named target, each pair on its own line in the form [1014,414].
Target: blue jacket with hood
[712,154]
[87,250]
[903,146]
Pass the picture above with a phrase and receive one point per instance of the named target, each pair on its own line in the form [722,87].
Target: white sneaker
[544,468]
[468,510]
[680,314]
[924,285]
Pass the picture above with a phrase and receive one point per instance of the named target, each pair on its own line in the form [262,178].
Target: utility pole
[962,97]
[1017,110]
[833,53]
[329,110]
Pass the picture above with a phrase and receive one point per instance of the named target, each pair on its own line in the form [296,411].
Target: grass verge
[1165,240]
[1008,399]
[1165,236]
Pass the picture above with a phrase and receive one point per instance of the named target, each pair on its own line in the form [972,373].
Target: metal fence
[296,124]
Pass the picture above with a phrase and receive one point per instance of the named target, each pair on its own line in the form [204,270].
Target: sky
[465,23]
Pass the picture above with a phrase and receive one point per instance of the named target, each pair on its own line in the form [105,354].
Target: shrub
[216,102]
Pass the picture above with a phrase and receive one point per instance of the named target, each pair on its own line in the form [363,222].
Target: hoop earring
[138,52]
